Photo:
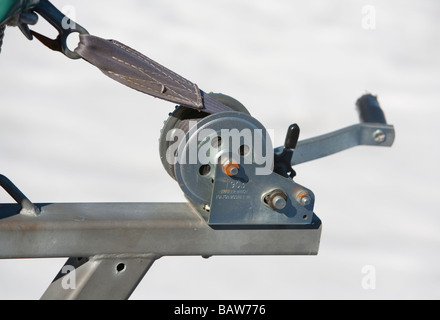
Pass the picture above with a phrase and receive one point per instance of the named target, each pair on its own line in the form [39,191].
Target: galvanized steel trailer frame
[112,245]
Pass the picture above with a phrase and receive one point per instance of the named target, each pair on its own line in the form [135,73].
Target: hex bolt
[379,136]
[276,199]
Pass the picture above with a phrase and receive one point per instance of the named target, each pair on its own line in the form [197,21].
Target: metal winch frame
[111,246]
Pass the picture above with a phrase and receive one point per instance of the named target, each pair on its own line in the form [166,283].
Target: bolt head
[303,198]
[277,199]
[279,202]
[305,201]
[379,136]
[230,167]
[233,170]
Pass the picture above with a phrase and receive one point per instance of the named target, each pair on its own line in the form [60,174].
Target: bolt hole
[205,170]
[120,268]
[305,217]
[244,150]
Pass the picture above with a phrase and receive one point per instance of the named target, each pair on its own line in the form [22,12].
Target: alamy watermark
[369,277]
[68,21]
[207,146]
[368,17]
[68,282]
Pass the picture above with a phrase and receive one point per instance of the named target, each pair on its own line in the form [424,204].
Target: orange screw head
[231,168]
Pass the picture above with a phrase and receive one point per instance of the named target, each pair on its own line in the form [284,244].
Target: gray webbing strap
[139,72]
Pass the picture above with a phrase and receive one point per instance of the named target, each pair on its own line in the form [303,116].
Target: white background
[69,134]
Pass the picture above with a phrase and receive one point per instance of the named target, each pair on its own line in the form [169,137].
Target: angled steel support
[27,208]
[97,278]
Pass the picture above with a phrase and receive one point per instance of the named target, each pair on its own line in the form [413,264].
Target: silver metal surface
[239,200]
[198,185]
[134,230]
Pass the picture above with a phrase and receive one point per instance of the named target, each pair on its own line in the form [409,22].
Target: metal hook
[63,24]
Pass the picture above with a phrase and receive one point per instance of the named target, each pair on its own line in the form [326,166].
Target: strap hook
[63,24]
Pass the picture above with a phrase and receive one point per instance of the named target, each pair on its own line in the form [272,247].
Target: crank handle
[371,131]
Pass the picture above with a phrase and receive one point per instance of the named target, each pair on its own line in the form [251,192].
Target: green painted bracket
[10,8]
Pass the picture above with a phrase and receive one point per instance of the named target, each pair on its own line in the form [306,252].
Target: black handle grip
[369,109]
[292,136]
